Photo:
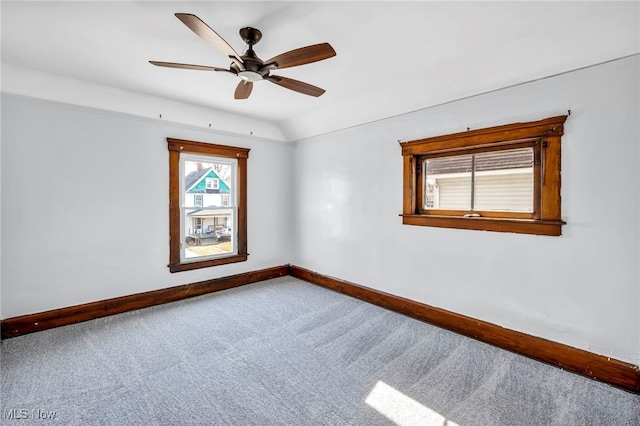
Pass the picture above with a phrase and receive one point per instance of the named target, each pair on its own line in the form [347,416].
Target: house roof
[194,182]
[210,212]
[194,177]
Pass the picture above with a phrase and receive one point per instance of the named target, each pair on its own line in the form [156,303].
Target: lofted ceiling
[392,57]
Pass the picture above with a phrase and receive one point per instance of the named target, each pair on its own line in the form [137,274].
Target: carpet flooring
[286,352]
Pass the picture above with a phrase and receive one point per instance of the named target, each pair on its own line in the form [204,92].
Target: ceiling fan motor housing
[252,68]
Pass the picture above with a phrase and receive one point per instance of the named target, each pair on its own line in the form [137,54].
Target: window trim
[178,146]
[547,218]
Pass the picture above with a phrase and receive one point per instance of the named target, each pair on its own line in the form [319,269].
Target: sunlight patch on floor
[403,410]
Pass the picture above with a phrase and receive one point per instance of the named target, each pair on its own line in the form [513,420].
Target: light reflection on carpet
[403,410]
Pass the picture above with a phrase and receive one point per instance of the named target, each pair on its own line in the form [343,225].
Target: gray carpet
[285,352]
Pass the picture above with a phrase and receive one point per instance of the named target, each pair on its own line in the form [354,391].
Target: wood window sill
[519,226]
[187,266]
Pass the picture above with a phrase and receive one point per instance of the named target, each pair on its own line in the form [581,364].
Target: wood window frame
[177,147]
[543,135]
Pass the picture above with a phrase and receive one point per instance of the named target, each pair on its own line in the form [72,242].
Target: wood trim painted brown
[242,184]
[174,206]
[553,126]
[188,266]
[182,145]
[544,136]
[612,371]
[25,324]
[520,226]
[178,146]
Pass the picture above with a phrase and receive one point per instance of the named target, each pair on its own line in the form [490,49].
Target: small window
[207,228]
[212,183]
[504,178]
[498,181]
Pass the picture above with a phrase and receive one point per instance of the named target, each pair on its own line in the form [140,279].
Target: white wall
[92,237]
[27,82]
[581,289]
[85,204]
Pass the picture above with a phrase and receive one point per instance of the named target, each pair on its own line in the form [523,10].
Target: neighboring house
[208,194]
[503,181]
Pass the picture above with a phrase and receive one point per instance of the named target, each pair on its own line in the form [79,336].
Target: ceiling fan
[249,67]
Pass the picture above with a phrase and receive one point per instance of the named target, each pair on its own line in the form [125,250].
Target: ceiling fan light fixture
[250,76]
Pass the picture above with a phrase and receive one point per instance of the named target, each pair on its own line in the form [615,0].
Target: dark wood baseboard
[614,372]
[25,324]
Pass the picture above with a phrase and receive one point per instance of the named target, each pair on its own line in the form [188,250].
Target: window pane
[448,183]
[208,232]
[208,210]
[209,180]
[504,181]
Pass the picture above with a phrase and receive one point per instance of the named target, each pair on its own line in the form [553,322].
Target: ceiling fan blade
[243,90]
[303,55]
[207,34]
[188,66]
[295,85]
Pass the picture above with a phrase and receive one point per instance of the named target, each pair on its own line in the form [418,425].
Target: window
[212,183]
[504,178]
[206,228]
[490,181]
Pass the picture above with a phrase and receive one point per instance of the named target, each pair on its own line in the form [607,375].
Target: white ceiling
[392,57]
